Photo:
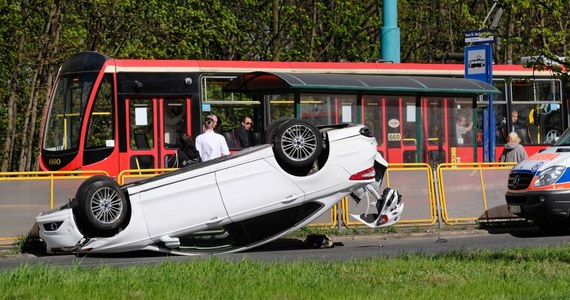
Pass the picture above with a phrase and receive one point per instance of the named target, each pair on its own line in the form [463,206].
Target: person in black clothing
[186,155]
[243,135]
[517,126]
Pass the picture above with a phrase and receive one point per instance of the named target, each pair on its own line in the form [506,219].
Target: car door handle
[290,198]
[214,220]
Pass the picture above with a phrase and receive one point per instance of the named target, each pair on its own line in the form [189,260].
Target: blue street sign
[479,65]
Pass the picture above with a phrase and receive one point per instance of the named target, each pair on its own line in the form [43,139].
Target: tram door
[435,121]
[155,126]
[393,122]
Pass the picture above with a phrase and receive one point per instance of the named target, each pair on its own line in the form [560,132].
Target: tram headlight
[549,176]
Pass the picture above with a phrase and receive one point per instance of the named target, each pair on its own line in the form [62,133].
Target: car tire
[297,143]
[272,128]
[101,205]
[87,183]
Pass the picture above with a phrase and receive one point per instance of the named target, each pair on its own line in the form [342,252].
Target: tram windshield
[66,112]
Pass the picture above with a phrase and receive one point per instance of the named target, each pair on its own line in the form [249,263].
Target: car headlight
[549,176]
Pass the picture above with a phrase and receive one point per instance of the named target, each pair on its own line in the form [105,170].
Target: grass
[529,273]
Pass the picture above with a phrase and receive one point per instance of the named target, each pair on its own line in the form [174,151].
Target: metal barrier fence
[23,195]
[471,192]
[454,194]
[415,184]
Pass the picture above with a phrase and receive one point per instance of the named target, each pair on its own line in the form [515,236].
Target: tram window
[230,113]
[229,107]
[174,121]
[435,121]
[100,131]
[500,111]
[328,109]
[463,116]
[534,123]
[409,124]
[139,162]
[141,125]
[67,111]
[280,105]
[536,90]
[212,88]
[373,116]
[522,90]
[547,90]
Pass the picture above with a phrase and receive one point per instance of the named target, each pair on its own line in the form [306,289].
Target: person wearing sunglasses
[211,144]
[243,133]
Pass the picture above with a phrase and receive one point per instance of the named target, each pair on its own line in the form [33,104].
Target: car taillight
[364,175]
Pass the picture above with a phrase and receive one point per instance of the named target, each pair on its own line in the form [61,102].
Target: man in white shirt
[211,144]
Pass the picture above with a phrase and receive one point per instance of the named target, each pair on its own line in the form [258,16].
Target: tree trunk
[49,38]
[277,31]
[11,107]
[313,31]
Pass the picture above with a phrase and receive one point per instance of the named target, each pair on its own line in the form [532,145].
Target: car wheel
[272,128]
[297,143]
[101,204]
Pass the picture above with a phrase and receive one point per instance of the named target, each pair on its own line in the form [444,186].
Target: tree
[35,38]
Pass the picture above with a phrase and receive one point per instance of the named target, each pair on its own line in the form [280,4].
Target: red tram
[114,114]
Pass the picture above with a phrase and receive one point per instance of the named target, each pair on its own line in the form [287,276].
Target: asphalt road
[347,247]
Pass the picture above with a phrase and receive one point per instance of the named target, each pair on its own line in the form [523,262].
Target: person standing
[173,124]
[243,133]
[461,128]
[514,151]
[211,144]
[186,155]
[521,128]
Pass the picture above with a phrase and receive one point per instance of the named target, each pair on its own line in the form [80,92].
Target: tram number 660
[394,137]
[54,162]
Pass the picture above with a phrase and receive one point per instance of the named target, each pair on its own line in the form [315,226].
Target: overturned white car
[228,204]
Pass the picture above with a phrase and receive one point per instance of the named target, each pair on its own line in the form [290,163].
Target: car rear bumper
[543,205]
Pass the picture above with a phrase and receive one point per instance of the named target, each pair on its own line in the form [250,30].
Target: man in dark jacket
[243,133]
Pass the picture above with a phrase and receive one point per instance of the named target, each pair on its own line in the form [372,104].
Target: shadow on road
[523,229]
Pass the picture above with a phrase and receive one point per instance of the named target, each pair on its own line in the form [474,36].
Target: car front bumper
[59,231]
[540,205]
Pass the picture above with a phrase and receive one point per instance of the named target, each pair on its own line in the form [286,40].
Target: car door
[176,205]
[255,188]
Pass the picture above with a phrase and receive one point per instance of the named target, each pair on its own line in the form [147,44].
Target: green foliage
[36,37]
